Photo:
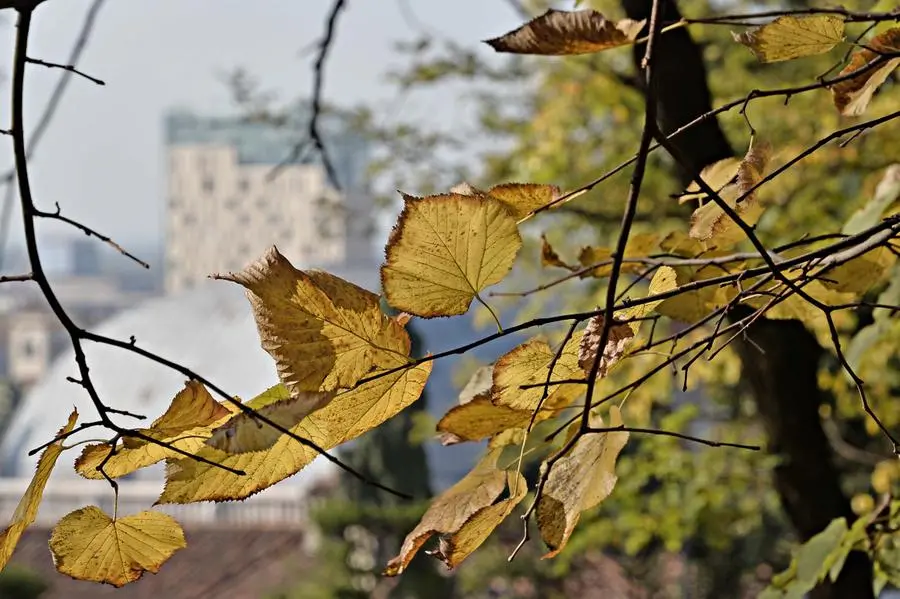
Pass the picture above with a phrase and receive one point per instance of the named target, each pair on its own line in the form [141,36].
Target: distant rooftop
[267,143]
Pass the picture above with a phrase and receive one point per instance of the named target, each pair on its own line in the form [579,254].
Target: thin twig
[313,133]
[65,67]
[90,233]
[45,119]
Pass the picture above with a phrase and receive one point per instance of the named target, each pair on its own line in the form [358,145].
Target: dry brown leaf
[709,222]
[579,481]
[851,97]
[450,511]
[458,546]
[549,257]
[618,340]
[560,33]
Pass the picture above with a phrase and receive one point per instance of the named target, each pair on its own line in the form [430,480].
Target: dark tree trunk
[780,358]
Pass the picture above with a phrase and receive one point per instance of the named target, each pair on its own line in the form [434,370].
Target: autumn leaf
[324,333]
[717,175]
[529,364]
[444,250]
[27,509]
[665,279]
[851,97]
[618,340]
[861,273]
[454,548]
[524,198]
[790,37]
[709,222]
[692,306]
[89,545]
[638,246]
[559,33]
[579,481]
[450,511]
[479,419]
[185,425]
[245,432]
[347,416]
[549,257]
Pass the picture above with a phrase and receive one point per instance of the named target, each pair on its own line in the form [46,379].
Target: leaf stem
[491,310]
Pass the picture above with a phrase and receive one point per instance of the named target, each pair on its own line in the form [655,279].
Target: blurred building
[235,549]
[238,186]
[90,291]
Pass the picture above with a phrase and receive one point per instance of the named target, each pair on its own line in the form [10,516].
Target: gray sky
[102,158]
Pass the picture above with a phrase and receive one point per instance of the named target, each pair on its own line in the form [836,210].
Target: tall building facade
[227,202]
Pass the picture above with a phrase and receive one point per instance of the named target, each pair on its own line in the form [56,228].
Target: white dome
[209,329]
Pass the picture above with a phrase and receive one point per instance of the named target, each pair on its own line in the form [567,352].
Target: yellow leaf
[185,425]
[790,37]
[618,340]
[324,333]
[479,419]
[717,175]
[681,244]
[89,545]
[710,223]
[638,246]
[444,250]
[520,198]
[795,307]
[529,364]
[694,305]
[27,509]
[346,417]
[192,407]
[590,255]
[851,97]
[245,432]
[560,33]
[453,508]
[524,198]
[549,257]
[458,546]
[664,279]
[860,274]
[579,481]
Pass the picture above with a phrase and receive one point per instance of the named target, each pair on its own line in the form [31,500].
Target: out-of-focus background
[195,157]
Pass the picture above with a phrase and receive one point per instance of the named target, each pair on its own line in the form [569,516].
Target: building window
[231,203]
[262,203]
[189,219]
[209,185]
[243,185]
